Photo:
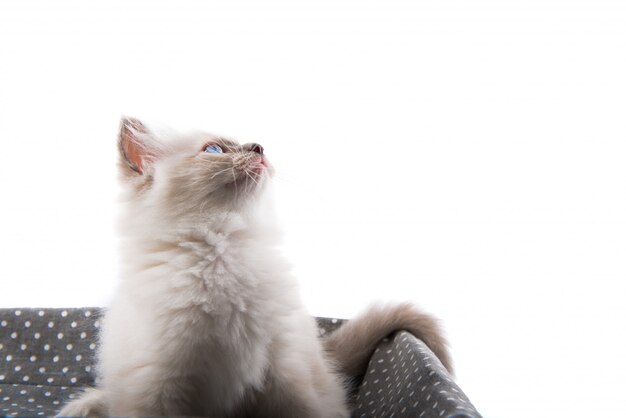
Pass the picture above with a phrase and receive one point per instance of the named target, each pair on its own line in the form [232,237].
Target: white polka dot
[18,312]
[87,368]
[64,369]
[17,368]
[23,347]
[25,378]
[87,314]
[50,380]
[83,335]
[73,380]
[60,335]
[73,324]
[55,359]
[51,324]
[55,402]
[1,377]
[27,324]
[33,358]
[1,346]
[79,357]
[9,357]
[46,347]
[41,313]
[47,394]
[23,392]
[96,324]
[14,335]
[3,323]
[37,335]
[69,347]
[42,370]
[64,314]
[6,398]
[334,320]
[31,400]
[92,346]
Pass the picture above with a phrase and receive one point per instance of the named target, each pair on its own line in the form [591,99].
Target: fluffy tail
[352,345]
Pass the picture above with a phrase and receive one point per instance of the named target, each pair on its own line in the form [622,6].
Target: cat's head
[188,179]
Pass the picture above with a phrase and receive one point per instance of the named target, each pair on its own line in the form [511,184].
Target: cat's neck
[195,250]
[219,228]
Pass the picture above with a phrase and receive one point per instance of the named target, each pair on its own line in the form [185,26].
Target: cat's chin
[246,185]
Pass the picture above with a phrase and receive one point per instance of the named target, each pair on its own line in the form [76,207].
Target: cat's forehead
[225,141]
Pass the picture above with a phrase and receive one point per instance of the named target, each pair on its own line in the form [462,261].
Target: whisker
[235,182]
[251,175]
[220,172]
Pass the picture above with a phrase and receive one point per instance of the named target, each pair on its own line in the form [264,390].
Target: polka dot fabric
[47,357]
[405,379]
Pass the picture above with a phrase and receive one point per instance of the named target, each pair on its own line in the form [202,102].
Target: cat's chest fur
[209,307]
[215,273]
[211,271]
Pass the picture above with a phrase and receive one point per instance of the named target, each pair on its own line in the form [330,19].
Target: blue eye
[213,149]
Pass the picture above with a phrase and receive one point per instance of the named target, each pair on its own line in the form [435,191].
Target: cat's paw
[91,404]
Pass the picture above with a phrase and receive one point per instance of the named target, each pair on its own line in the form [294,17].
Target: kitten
[207,320]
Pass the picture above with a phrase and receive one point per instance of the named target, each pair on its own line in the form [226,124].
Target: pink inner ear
[133,149]
[133,153]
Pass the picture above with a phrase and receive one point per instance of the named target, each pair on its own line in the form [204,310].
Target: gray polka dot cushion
[405,379]
[47,358]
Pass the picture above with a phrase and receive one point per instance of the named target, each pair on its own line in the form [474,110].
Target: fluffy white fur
[207,319]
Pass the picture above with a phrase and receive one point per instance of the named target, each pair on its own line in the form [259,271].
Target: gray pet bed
[47,358]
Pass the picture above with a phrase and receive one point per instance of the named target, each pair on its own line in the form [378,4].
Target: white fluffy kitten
[207,320]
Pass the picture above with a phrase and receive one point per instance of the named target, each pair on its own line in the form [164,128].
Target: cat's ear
[137,147]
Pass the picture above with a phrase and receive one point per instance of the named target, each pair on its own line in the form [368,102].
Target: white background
[466,155]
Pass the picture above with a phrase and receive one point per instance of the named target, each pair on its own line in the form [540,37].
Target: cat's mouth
[256,166]
[250,172]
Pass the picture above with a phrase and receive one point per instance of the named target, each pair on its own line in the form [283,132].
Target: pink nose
[254,147]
